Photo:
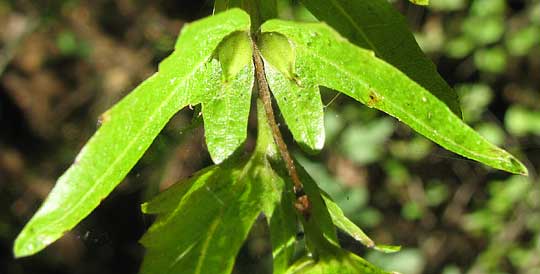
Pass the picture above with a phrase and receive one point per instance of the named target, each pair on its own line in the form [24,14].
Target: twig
[302,203]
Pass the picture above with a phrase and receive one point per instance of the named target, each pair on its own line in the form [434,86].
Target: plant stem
[302,203]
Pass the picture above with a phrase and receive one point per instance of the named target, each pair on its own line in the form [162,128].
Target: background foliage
[65,62]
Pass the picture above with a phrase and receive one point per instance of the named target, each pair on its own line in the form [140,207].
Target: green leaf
[260,10]
[283,230]
[266,150]
[128,129]
[420,2]
[330,258]
[346,225]
[326,256]
[343,223]
[204,231]
[324,57]
[320,220]
[197,235]
[387,248]
[377,26]
[226,101]
[335,261]
[277,50]
[173,195]
[299,103]
[234,54]
[279,209]
[405,261]
[204,220]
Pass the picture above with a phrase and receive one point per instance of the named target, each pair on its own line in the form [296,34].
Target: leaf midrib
[133,141]
[123,153]
[204,249]
[355,25]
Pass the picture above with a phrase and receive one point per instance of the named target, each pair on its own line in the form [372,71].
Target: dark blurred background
[62,63]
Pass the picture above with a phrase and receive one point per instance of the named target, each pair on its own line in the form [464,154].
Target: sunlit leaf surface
[420,2]
[129,128]
[324,57]
[299,103]
[203,221]
[377,26]
[341,261]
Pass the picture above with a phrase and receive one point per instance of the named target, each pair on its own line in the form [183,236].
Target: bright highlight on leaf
[129,127]
[420,2]
[325,58]
[341,261]
[377,26]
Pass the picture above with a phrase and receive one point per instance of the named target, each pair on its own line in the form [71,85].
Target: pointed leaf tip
[519,167]
[27,245]
[325,58]
[387,248]
[131,126]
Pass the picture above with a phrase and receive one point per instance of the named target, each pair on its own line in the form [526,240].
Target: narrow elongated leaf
[283,229]
[377,26]
[170,198]
[320,220]
[324,57]
[128,129]
[420,2]
[299,103]
[326,254]
[339,261]
[226,103]
[190,238]
[343,223]
[204,220]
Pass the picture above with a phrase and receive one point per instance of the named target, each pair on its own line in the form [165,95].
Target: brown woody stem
[302,203]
